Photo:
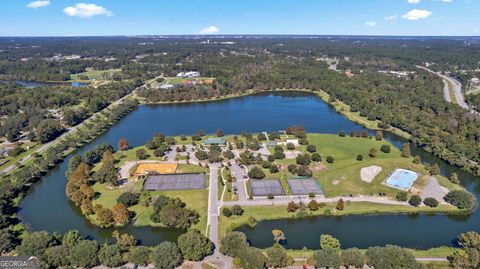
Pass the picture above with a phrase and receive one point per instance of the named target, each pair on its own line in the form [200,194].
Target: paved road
[457,89]
[213,203]
[69,131]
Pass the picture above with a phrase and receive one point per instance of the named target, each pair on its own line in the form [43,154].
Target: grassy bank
[261,213]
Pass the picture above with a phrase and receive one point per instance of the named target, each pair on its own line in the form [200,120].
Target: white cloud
[84,10]
[37,4]
[446,1]
[210,30]
[391,18]
[414,1]
[417,14]
[371,23]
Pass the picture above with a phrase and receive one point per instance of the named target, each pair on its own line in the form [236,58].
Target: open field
[93,74]
[342,177]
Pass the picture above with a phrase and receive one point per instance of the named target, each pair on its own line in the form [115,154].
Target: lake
[46,207]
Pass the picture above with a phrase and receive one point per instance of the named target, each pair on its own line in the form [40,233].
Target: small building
[293,141]
[215,141]
[166,86]
[190,74]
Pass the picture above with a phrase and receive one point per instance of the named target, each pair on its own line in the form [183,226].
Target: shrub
[341,134]
[292,207]
[311,148]
[359,157]
[385,148]
[316,157]
[226,212]
[372,153]
[270,197]
[340,204]
[313,205]
[292,168]
[401,196]
[273,169]
[417,160]
[430,202]
[461,199]
[290,146]
[415,200]
[330,159]
[237,210]
[454,178]
[141,154]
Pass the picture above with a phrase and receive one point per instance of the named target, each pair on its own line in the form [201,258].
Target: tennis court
[175,182]
[304,186]
[401,179]
[266,187]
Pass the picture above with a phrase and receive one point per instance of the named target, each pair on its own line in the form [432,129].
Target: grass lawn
[451,92]
[280,212]
[342,177]
[93,74]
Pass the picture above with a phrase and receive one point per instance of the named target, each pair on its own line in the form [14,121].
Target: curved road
[457,90]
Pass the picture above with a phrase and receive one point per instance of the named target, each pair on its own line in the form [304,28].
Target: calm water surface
[46,207]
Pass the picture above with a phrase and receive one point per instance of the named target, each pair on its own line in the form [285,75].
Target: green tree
[469,240]
[110,255]
[232,243]
[372,153]
[256,173]
[385,148]
[430,202]
[406,150]
[71,238]
[352,257]
[237,210]
[391,257]
[141,154]
[57,256]
[251,258]
[36,244]
[415,200]
[48,130]
[401,196]
[166,256]
[84,254]
[454,178]
[194,245]
[461,199]
[329,242]
[128,199]
[276,256]
[327,258]
[139,255]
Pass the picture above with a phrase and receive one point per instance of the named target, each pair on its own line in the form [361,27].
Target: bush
[290,146]
[415,200]
[359,157]
[158,153]
[141,154]
[454,178]
[273,169]
[292,207]
[237,210]
[417,160]
[341,134]
[292,168]
[313,205]
[401,196]
[270,197]
[461,199]
[128,199]
[372,153]
[330,159]
[304,171]
[340,204]
[311,148]
[385,149]
[226,212]
[316,157]
[430,202]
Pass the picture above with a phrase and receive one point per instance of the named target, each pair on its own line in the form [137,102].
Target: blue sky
[166,17]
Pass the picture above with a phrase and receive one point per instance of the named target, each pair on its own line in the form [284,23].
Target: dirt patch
[318,167]
[367,174]
[336,182]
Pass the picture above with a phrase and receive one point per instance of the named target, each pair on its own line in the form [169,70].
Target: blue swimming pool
[401,179]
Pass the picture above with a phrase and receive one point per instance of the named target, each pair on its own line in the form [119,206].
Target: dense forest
[412,102]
